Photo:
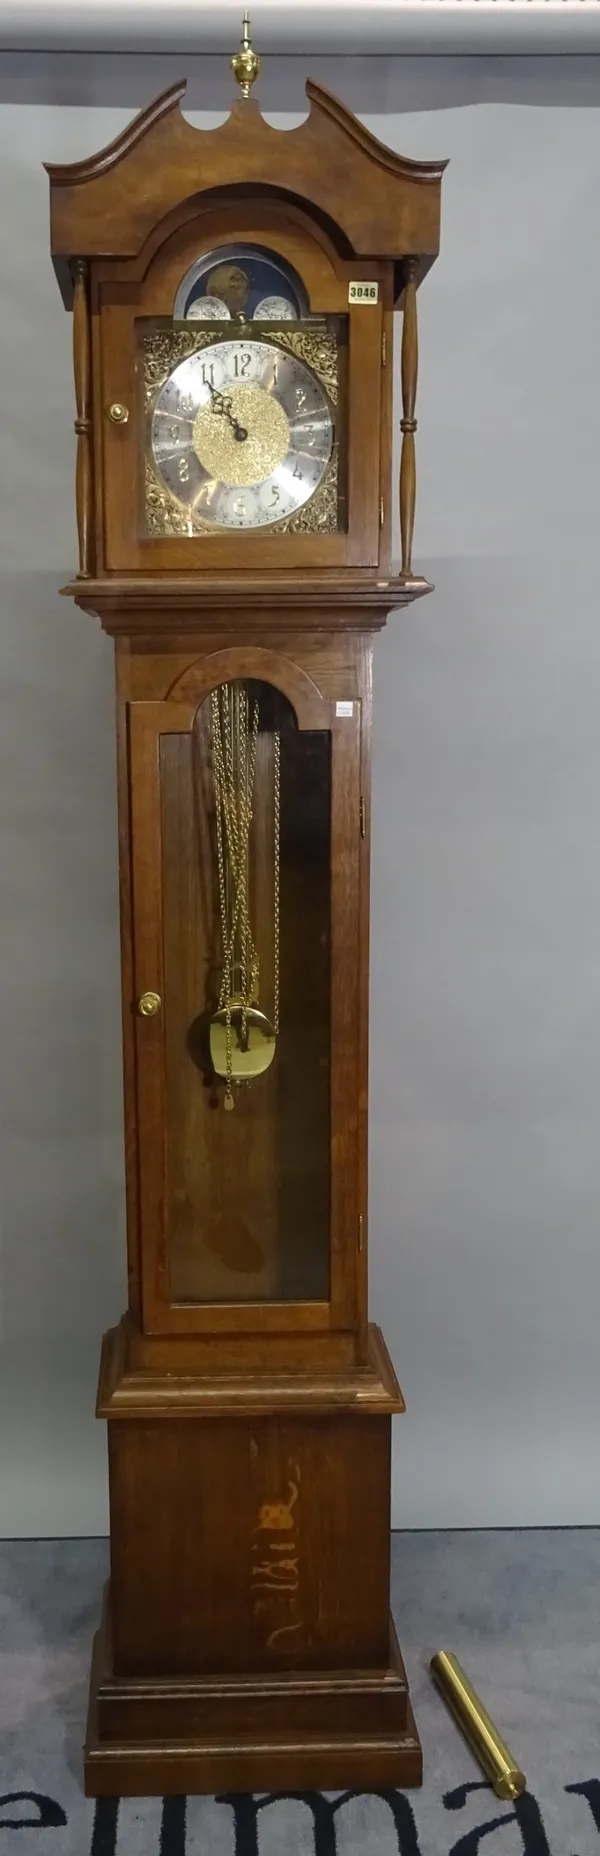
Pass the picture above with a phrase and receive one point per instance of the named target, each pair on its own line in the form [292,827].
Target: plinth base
[246,1644]
[291,1731]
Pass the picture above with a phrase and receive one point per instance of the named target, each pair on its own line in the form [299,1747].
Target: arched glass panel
[246,806]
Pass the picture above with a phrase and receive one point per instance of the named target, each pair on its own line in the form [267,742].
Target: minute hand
[221,403]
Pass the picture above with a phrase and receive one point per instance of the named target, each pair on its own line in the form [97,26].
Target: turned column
[83,421]
[408,423]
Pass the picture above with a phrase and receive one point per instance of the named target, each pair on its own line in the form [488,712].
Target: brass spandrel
[164,515]
[164,348]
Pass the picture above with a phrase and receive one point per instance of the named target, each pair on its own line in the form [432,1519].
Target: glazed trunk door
[249,1219]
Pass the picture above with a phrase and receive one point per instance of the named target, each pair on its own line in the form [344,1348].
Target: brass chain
[226,746]
[250,956]
[234,763]
[240,706]
[220,803]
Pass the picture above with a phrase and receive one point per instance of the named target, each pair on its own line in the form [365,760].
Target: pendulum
[242,1038]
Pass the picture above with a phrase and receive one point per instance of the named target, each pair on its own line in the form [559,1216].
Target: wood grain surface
[246,1636]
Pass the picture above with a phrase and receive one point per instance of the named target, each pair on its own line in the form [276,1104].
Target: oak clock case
[233,354]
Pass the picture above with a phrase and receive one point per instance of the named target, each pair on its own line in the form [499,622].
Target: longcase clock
[233,294]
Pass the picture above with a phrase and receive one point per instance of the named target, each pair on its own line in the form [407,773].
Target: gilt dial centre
[217,441]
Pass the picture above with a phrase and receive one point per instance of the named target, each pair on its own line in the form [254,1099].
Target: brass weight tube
[474,1721]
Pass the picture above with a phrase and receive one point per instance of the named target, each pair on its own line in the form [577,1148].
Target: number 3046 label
[363,293]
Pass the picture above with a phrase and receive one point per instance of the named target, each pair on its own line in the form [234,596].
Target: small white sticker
[363,293]
[344,708]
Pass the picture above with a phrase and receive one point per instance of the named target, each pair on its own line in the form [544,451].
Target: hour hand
[221,403]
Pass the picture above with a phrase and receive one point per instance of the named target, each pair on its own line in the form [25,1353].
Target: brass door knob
[118,413]
[149,1004]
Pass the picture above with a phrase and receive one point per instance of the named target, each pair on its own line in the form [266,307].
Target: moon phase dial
[241,434]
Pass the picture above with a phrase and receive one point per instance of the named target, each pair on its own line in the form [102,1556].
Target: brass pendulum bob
[251,1040]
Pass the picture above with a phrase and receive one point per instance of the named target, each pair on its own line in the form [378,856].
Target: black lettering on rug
[49,1814]
[172,1829]
[246,1810]
[525,1812]
[589,1789]
[104,1834]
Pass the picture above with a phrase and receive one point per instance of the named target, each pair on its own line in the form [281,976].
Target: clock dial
[241,434]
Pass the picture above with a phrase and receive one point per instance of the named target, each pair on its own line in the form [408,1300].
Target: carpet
[521,1610]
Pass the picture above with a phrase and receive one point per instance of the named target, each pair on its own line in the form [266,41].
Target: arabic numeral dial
[242,434]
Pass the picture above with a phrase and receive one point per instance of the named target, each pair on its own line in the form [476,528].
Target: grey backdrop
[485,1088]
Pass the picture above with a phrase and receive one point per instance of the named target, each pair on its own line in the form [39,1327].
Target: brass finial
[245,64]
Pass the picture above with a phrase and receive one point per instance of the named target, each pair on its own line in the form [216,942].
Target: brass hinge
[384,349]
[362,813]
[360,1232]
[381,512]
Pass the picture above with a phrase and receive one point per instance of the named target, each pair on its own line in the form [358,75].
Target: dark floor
[521,1609]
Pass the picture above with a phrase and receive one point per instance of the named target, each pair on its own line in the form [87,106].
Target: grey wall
[485,1180]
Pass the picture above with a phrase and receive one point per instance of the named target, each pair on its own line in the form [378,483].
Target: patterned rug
[521,1609]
